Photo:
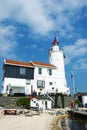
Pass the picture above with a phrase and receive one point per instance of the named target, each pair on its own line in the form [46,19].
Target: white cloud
[81,64]
[31,13]
[42,16]
[76,50]
[7,42]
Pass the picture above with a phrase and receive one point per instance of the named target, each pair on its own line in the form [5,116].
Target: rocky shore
[60,123]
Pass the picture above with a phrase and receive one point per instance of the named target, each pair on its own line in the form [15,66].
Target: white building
[39,77]
[40,102]
[82,97]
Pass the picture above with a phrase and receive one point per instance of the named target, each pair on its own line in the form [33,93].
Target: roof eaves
[18,64]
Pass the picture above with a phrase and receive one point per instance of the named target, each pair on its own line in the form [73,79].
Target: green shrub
[23,102]
[77,102]
[1,105]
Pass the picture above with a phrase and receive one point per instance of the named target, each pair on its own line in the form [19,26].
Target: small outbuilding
[40,102]
[82,97]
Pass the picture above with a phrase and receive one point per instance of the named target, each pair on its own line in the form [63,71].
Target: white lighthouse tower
[56,58]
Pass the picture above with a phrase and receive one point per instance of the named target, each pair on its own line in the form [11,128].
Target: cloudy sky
[28,27]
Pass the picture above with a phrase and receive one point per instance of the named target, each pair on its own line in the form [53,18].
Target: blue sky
[28,27]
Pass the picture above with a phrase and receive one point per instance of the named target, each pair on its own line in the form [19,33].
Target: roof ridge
[28,64]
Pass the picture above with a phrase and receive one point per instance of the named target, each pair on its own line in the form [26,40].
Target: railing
[50,98]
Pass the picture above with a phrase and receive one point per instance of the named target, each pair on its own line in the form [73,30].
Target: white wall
[57,79]
[41,103]
[32,104]
[49,105]
[18,85]
[46,77]
[84,100]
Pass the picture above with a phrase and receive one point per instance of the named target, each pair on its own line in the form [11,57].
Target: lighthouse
[56,58]
[42,78]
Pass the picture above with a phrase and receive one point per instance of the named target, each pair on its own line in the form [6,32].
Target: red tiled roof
[18,63]
[39,97]
[28,64]
[43,64]
[34,97]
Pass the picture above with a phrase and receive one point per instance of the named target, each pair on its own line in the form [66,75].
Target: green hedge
[23,102]
[56,100]
[1,105]
[77,102]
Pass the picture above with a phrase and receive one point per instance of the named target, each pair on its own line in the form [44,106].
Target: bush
[23,102]
[77,102]
[1,105]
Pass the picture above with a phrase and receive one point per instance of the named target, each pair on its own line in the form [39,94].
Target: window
[22,70]
[39,70]
[7,88]
[50,83]
[50,71]
[28,82]
[40,84]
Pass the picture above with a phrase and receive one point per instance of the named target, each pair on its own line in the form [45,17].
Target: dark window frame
[50,71]
[50,83]
[40,83]
[39,70]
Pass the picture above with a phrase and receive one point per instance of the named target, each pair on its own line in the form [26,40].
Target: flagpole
[73,82]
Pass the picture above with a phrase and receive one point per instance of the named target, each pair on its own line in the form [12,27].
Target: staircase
[50,98]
